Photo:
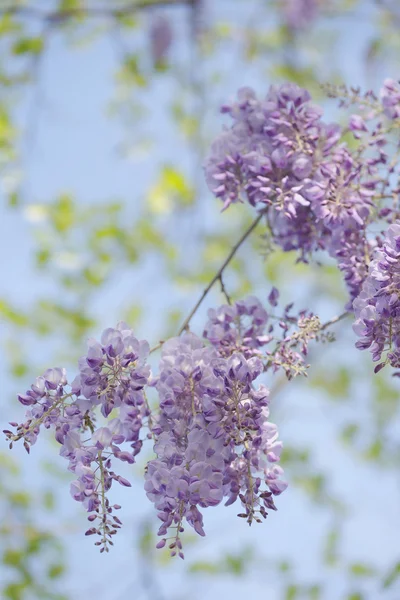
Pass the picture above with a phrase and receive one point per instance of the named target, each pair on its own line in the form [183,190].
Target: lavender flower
[390,97]
[112,377]
[377,308]
[299,14]
[210,419]
[161,36]
[284,160]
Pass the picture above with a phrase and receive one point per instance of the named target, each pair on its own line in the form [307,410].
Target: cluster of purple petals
[241,327]
[299,14]
[214,439]
[377,308]
[161,37]
[280,340]
[44,399]
[112,375]
[284,160]
[390,98]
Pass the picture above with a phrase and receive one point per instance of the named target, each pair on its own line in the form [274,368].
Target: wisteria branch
[334,320]
[217,277]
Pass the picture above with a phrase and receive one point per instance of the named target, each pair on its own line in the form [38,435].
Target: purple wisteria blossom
[161,37]
[377,309]
[278,337]
[390,97]
[112,376]
[315,192]
[299,14]
[214,440]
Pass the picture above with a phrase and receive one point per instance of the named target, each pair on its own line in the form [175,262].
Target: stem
[218,275]
[224,290]
[39,421]
[334,320]
[103,500]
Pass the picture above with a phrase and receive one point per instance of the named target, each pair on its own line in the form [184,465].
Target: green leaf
[28,45]
[304,77]
[8,25]
[131,73]
[11,315]
[392,576]
[48,500]
[19,369]
[12,558]
[21,499]
[55,570]
[291,592]
[66,5]
[204,567]
[314,592]
[361,570]
[284,566]
[146,540]
[235,564]
[349,433]
[62,213]
[169,191]
[331,547]
[336,383]
[14,591]
[374,450]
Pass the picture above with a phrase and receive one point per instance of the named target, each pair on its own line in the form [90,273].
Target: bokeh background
[107,110]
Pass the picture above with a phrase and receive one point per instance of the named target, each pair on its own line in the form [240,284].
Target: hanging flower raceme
[112,376]
[377,309]
[299,14]
[316,193]
[213,440]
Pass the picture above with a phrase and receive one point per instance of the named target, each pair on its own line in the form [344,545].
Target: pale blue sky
[75,150]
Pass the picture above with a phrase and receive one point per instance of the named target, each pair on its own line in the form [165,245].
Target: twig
[334,320]
[224,290]
[283,380]
[217,277]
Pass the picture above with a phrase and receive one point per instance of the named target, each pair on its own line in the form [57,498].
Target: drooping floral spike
[112,377]
[214,439]
[315,192]
[390,97]
[299,14]
[377,308]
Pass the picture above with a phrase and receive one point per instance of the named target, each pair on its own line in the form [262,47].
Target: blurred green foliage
[83,247]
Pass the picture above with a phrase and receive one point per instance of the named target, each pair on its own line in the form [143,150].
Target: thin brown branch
[224,290]
[218,275]
[334,320]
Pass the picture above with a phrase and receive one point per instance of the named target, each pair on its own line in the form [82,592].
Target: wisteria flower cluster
[299,14]
[111,378]
[319,194]
[377,309]
[212,438]
[316,193]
